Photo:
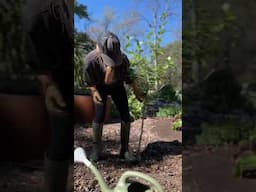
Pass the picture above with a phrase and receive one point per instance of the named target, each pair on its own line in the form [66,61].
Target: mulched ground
[160,152]
[161,159]
[21,177]
[211,170]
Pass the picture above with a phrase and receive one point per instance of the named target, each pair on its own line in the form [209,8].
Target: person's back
[48,29]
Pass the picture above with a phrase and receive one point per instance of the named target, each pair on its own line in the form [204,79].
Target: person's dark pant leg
[61,123]
[60,152]
[61,143]
[97,125]
[120,99]
[100,109]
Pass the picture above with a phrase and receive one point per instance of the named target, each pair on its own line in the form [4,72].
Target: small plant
[210,136]
[135,107]
[177,124]
[227,132]
[168,111]
[245,164]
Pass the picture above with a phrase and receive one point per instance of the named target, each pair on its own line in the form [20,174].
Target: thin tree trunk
[155,51]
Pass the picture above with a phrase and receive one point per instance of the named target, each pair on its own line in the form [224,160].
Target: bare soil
[160,155]
[211,170]
[160,158]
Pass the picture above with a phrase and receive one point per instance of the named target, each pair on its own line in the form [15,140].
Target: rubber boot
[55,176]
[97,146]
[125,136]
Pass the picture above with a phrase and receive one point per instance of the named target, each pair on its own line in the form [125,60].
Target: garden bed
[161,159]
[161,155]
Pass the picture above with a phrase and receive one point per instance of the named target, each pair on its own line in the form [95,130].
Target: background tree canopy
[83,44]
[145,38]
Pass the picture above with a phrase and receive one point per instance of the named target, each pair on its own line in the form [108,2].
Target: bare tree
[122,24]
[99,26]
[161,11]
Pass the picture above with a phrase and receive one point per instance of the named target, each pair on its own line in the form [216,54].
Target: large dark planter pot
[84,108]
[24,126]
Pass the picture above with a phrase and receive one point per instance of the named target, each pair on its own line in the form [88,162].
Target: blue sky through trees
[122,10]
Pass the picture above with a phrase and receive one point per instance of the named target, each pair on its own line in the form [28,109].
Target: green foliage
[177,124]
[159,67]
[81,11]
[230,131]
[207,40]
[78,69]
[168,111]
[172,54]
[83,44]
[167,93]
[210,136]
[12,41]
[247,163]
[155,65]
[135,107]
[144,71]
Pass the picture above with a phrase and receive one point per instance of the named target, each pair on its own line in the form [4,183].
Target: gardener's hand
[53,99]
[96,97]
[137,92]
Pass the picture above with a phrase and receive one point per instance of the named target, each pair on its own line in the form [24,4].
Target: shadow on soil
[153,153]
[159,149]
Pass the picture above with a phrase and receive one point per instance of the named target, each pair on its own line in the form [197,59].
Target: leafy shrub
[177,124]
[210,136]
[168,111]
[246,163]
[227,132]
[168,93]
[135,107]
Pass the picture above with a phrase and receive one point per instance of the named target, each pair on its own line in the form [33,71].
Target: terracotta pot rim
[82,94]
